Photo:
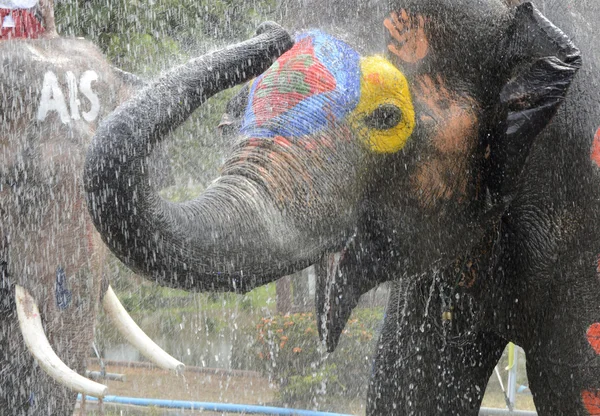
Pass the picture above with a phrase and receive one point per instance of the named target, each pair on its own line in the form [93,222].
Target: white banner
[17,4]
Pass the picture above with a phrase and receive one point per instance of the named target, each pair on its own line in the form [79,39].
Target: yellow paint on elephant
[382,84]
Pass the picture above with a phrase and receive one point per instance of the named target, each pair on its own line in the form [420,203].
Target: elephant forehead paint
[314,83]
[321,82]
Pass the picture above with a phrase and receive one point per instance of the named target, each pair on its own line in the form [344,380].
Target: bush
[287,349]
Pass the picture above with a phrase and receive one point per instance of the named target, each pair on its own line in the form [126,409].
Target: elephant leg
[25,388]
[16,364]
[418,370]
[563,359]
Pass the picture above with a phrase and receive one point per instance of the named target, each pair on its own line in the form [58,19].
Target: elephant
[54,92]
[461,164]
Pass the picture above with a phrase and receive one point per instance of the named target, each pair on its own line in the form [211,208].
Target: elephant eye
[384,117]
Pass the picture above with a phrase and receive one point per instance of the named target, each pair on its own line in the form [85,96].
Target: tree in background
[146,37]
[142,36]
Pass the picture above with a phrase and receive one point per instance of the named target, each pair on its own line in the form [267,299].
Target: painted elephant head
[409,154]
[479,109]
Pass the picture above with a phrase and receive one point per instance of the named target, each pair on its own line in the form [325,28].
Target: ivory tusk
[134,334]
[37,343]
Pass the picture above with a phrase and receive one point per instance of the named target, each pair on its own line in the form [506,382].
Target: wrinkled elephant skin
[462,164]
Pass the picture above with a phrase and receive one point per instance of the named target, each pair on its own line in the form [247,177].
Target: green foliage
[288,350]
[303,388]
[137,34]
[139,297]
[148,37]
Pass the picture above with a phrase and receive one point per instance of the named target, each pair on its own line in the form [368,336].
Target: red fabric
[26,25]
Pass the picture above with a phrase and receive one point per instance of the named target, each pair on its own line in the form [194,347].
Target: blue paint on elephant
[63,294]
[315,83]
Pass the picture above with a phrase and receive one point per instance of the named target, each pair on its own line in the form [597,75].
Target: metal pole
[512,375]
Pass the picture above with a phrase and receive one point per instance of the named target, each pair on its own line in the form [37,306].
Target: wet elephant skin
[532,280]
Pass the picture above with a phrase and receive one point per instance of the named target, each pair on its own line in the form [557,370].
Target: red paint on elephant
[595,156]
[409,41]
[593,336]
[452,122]
[375,78]
[591,401]
[282,141]
[295,76]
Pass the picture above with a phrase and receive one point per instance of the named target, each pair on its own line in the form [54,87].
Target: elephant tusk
[37,343]
[134,334]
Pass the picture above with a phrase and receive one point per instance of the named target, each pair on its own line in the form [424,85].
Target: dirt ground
[495,399]
[192,386]
[241,388]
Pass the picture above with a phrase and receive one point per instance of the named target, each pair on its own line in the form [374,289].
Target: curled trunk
[232,237]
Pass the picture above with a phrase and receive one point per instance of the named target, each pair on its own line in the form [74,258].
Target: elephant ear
[544,62]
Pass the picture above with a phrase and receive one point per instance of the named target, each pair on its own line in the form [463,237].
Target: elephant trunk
[232,237]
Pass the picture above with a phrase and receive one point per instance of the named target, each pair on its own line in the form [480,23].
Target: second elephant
[54,92]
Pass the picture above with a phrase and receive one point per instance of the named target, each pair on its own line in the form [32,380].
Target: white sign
[8,22]
[53,99]
[17,4]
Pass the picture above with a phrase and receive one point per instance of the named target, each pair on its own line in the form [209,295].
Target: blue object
[315,83]
[63,294]
[213,407]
